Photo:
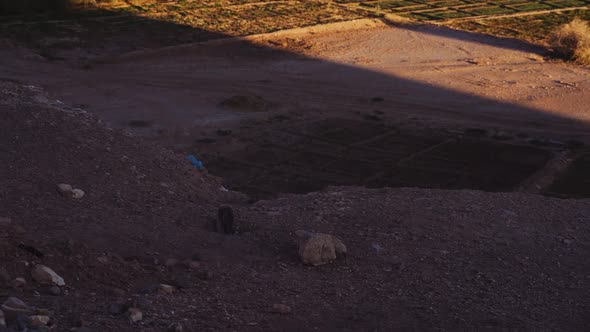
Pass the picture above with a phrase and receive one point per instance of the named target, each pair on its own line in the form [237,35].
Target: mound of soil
[417,259]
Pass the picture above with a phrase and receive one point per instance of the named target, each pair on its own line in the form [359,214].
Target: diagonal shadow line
[471,37]
[157,34]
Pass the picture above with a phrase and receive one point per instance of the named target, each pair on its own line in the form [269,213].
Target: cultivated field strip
[529,20]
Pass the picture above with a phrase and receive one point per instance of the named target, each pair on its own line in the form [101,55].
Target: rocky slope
[140,241]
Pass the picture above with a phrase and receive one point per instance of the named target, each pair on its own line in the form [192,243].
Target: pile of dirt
[129,187]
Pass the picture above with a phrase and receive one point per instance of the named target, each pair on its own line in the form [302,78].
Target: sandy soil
[425,73]
[418,259]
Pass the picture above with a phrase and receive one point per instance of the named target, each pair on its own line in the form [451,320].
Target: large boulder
[319,249]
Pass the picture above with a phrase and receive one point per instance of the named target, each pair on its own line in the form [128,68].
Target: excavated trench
[311,156]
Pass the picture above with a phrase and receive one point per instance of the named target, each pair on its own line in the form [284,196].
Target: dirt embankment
[417,259]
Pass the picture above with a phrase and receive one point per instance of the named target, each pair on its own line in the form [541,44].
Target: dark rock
[134,315]
[116,309]
[181,281]
[56,291]
[281,309]
[31,250]
[225,220]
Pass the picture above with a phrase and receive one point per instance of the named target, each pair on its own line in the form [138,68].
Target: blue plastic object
[196,162]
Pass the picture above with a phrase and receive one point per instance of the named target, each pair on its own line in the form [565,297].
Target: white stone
[77,193]
[46,276]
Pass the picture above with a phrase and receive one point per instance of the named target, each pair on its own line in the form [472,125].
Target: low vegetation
[572,41]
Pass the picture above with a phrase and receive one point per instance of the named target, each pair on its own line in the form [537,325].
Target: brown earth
[418,259]
[427,107]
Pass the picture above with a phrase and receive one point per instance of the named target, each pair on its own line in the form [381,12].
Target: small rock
[39,320]
[13,307]
[319,249]
[56,291]
[225,220]
[166,289]
[134,315]
[281,309]
[46,276]
[181,281]
[77,193]
[65,189]
[175,327]
[19,283]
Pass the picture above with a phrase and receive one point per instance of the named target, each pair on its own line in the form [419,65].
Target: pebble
[134,315]
[281,309]
[56,291]
[166,289]
[46,276]
[39,320]
[65,189]
[77,193]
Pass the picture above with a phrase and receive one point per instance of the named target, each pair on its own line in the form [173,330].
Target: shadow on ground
[351,126]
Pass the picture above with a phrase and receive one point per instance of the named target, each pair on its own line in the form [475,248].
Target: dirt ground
[359,103]
[418,259]
[276,113]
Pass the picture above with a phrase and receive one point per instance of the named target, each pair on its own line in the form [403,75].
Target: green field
[529,20]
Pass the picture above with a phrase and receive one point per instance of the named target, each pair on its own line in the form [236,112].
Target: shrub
[572,41]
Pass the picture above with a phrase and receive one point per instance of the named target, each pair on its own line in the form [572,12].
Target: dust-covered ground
[361,103]
[417,259]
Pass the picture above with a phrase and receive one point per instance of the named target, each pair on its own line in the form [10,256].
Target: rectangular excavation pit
[479,164]
[402,145]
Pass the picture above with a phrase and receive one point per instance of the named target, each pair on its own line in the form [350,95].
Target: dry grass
[572,41]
